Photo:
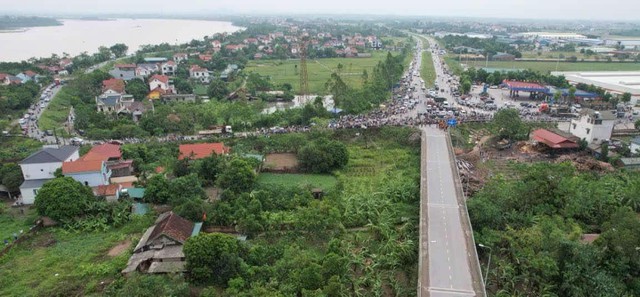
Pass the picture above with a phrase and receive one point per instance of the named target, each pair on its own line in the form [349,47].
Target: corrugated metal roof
[51,155]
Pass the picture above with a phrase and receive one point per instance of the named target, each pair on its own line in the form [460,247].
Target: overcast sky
[532,9]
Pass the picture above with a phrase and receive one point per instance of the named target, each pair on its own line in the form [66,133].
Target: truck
[216,130]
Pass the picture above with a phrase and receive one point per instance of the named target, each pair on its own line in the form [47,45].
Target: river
[77,36]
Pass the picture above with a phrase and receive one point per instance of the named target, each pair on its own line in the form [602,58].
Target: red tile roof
[173,226]
[553,140]
[115,84]
[108,150]
[3,76]
[81,166]
[196,68]
[162,78]
[108,190]
[30,73]
[202,150]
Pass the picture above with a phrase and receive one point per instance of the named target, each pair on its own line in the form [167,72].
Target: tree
[181,167]
[182,86]
[63,199]
[213,258]
[322,156]
[626,97]
[237,176]
[137,88]
[157,190]
[208,169]
[217,89]
[572,94]
[185,188]
[465,87]
[507,124]
[557,96]
[604,152]
[11,176]
[119,49]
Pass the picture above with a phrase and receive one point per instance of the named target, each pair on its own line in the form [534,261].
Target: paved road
[445,260]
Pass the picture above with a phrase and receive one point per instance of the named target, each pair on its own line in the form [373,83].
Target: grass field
[56,113]
[11,221]
[428,72]
[285,71]
[200,90]
[561,66]
[314,180]
[60,263]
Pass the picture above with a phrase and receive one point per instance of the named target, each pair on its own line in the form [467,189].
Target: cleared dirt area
[285,162]
[120,248]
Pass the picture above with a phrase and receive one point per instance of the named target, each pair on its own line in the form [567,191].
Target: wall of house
[28,195]
[635,148]
[39,170]
[92,179]
[591,132]
[156,83]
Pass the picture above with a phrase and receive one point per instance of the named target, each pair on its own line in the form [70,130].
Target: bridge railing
[471,246]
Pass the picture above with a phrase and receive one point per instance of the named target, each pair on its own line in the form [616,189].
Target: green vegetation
[286,71]
[453,65]
[428,71]
[546,67]
[18,22]
[534,218]
[321,181]
[56,262]
[12,221]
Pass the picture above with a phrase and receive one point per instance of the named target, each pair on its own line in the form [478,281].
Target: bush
[323,156]
[63,199]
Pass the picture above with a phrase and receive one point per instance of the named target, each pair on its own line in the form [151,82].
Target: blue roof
[140,208]
[196,229]
[565,92]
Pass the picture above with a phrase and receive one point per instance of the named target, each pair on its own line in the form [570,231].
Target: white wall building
[88,172]
[593,126]
[614,82]
[40,167]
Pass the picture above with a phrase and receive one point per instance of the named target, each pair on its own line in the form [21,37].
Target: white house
[160,81]
[593,126]
[179,57]
[169,68]
[40,167]
[635,145]
[199,73]
[90,173]
[144,70]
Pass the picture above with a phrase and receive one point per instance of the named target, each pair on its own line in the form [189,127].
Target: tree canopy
[63,199]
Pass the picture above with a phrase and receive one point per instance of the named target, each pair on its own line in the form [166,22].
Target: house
[90,173]
[111,192]
[233,47]
[503,57]
[160,247]
[14,80]
[251,41]
[114,84]
[635,145]
[593,126]
[40,167]
[216,44]
[179,57]
[144,70]
[162,82]
[169,68]
[198,73]
[630,163]
[156,93]
[112,102]
[205,58]
[202,150]
[231,68]
[552,140]
[27,76]
[111,154]
[4,79]
[124,71]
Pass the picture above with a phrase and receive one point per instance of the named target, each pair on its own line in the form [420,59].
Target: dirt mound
[119,248]
[586,163]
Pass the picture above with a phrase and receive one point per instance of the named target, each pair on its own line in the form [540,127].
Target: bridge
[448,262]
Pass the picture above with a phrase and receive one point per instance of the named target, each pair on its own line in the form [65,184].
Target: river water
[77,36]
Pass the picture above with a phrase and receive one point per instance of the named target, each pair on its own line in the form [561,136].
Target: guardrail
[467,220]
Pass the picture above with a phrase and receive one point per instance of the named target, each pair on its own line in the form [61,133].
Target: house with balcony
[198,73]
[40,167]
[593,126]
[162,82]
[169,68]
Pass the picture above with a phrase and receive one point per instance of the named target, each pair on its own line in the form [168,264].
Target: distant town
[319,156]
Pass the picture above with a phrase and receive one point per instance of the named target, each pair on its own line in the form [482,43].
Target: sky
[529,9]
